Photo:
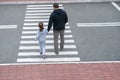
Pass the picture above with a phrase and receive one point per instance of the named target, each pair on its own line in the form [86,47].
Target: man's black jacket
[58,19]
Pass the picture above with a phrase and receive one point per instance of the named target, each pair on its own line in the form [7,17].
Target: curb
[87,62]
[58,1]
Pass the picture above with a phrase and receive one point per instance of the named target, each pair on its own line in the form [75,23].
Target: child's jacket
[41,35]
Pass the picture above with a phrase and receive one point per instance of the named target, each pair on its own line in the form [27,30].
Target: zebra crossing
[29,49]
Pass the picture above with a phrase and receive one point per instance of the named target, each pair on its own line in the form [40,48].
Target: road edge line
[86,62]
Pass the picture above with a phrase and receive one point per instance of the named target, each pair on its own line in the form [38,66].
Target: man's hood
[58,11]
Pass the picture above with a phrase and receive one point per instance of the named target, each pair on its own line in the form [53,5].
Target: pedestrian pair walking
[58,19]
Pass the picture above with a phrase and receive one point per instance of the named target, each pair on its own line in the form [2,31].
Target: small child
[41,37]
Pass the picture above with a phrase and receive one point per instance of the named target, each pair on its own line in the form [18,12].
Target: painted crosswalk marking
[47,47]
[8,26]
[45,5]
[64,59]
[35,28]
[48,36]
[116,6]
[34,32]
[48,53]
[36,17]
[29,49]
[41,8]
[105,24]
[31,11]
[36,20]
[48,41]
[35,24]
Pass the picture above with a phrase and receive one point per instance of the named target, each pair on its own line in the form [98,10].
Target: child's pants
[42,47]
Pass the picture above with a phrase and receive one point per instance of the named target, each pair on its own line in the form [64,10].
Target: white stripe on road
[78,62]
[47,53]
[8,26]
[34,32]
[98,24]
[36,27]
[65,36]
[65,59]
[47,41]
[116,6]
[31,20]
[40,14]
[42,5]
[48,36]
[30,28]
[66,41]
[38,17]
[33,24]
[29,32]
[41,8]
[32,11]
[47,47]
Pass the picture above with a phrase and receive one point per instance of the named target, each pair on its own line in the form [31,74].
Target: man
[58,19]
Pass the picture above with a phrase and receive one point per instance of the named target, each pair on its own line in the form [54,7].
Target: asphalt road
[93,43]
[10,38]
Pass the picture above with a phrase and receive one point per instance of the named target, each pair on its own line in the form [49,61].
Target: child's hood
[42,31]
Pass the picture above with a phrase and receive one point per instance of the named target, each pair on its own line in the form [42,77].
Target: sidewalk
[51,1]
[60,0]
[81,71]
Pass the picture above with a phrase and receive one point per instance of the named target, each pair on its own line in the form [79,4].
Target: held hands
[35,39]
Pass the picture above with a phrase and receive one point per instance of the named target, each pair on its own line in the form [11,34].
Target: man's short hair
[56,5]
